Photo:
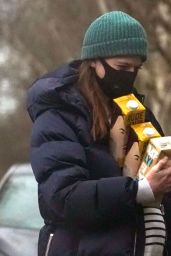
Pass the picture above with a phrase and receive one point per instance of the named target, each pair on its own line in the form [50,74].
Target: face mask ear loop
[104,63]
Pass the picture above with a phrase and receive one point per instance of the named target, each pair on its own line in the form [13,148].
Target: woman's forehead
[126,60]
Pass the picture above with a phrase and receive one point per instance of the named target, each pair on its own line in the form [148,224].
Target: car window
[19,203]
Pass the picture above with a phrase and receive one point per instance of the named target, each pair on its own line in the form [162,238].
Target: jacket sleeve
[65,190]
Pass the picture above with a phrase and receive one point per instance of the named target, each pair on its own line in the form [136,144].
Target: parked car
[20,220]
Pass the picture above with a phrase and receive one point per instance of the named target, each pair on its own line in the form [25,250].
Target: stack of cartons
[133,141]
[128,110]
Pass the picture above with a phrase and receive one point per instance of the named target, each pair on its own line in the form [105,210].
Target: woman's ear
[97,65]
[93,64]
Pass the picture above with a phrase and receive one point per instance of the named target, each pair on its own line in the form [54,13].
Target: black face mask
[116,83]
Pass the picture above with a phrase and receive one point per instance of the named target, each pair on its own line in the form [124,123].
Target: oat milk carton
[156,149]
[138,138]
[126,110]
[132,109]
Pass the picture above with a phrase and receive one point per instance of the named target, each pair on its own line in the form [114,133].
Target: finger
[165,172]
[160,164]
[163,177]
[168,181]
[168,189]
[168,163]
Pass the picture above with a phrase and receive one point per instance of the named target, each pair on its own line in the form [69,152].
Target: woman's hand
[159,177]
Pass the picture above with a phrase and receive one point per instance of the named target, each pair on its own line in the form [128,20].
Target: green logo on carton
[148,160]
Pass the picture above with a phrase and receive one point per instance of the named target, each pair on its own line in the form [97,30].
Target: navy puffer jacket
[88,207]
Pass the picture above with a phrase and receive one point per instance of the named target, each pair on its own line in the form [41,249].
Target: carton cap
[149,131]
[132,104]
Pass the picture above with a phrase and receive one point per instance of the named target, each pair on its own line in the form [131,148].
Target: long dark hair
[98,103]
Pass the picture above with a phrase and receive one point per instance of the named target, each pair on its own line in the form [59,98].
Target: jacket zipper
[48,244]
[135,243]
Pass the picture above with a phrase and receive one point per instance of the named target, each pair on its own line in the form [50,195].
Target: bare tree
[42,34]
[102,5]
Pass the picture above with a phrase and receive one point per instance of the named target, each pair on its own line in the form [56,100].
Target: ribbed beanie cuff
[112,34]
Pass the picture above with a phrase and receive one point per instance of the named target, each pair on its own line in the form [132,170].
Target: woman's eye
[136,157]
[122,130]
[122,68]
[137,68]
[128,68]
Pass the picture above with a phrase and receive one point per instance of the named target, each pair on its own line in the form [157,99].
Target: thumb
[161,163]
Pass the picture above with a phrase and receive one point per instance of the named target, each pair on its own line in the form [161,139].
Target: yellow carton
[156,149]
[132,109]
[139,136]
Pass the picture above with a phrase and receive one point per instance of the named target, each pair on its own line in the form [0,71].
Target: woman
[88,207]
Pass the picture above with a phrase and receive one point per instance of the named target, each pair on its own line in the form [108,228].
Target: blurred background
[38,36]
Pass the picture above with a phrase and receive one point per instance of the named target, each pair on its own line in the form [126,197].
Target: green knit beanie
[114,34]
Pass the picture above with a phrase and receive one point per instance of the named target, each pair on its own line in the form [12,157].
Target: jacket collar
[56,90]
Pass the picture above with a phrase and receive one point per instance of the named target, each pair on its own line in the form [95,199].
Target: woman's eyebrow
[137,156]
[127,64]
[122,129]
[139,66]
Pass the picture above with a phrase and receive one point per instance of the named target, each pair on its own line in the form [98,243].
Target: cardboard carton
[132,109]
[156,149]
[138,138]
